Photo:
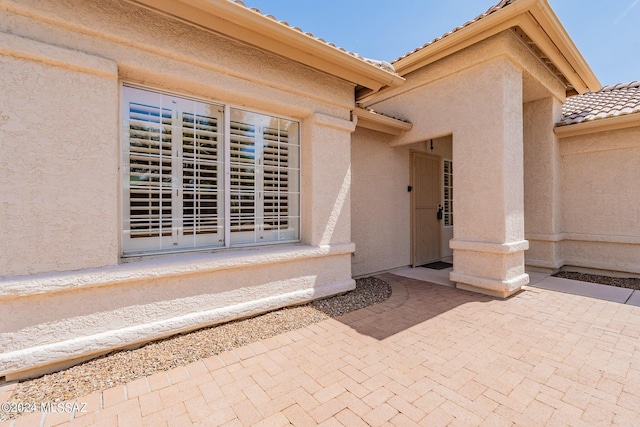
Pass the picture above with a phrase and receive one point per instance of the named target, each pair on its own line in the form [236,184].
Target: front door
[425,176]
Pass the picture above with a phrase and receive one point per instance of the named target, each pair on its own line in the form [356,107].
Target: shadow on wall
[118,315]
[337,209]
[414,302]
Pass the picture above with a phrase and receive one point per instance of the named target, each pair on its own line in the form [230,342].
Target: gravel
[120,367]
[620,282]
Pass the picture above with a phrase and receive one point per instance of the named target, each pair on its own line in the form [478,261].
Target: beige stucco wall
[58,159]
[581,195]
[538,83]
[477,96]
[326,202]
[542,183]
[130,303]
[61,64]
[381,204]
[601,200]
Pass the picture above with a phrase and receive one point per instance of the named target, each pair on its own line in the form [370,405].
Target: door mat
[438,265]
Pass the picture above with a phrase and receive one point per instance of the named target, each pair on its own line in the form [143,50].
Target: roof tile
[379,64]
[610,101]
[502,4]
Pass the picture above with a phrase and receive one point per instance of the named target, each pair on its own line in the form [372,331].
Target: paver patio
[430,355]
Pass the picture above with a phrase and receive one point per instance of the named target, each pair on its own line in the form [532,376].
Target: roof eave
[243,24]
[370,120]
[584,79]
[598,125]
[537,20]
[465,37]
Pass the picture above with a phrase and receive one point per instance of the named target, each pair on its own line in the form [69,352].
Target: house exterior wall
[542,183]
[489,231]
[380,215]
[580,195]
[381,204]
[477,96]
[601,200]
[68,291]
[60,164]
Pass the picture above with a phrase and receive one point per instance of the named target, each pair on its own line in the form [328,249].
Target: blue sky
[607,32]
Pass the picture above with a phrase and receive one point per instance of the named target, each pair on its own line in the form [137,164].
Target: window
[203,175]
[448,193]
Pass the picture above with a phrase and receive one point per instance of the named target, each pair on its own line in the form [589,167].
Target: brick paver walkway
[430,355]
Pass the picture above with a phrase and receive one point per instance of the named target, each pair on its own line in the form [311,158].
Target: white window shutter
[176,160]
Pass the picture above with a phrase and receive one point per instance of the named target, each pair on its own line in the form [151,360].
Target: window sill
[164,266]
[137,256]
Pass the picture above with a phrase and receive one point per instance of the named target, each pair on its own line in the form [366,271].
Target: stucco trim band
[545,237]
[163,266]
[583,237]
[20,47]
[494,248]
[35,357]
[540,263]
[601,267]
[602,238]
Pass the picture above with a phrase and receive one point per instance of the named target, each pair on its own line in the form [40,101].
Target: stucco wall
[326,181]
[486,96]
[61,65]
[542,183]
[538,83]
[601,200]
[49,92]
[59,161]
[381,204]
[129,303]
[158,51]
[477,95]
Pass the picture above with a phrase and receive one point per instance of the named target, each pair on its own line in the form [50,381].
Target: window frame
[259,170]
[225,170]
[447,214]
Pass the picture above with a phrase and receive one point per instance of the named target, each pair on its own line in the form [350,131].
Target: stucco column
[542,183]
[326,180]
[488,243]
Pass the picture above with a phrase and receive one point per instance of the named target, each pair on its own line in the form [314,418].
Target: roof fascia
[240,23]
[536,19]
[600,125]
[484,28]
[555,31]
[370,120]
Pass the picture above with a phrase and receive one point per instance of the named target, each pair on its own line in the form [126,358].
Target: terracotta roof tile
[502,4]
[380,64]
[610,101]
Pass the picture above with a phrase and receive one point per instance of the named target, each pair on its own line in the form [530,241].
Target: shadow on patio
[400,312]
